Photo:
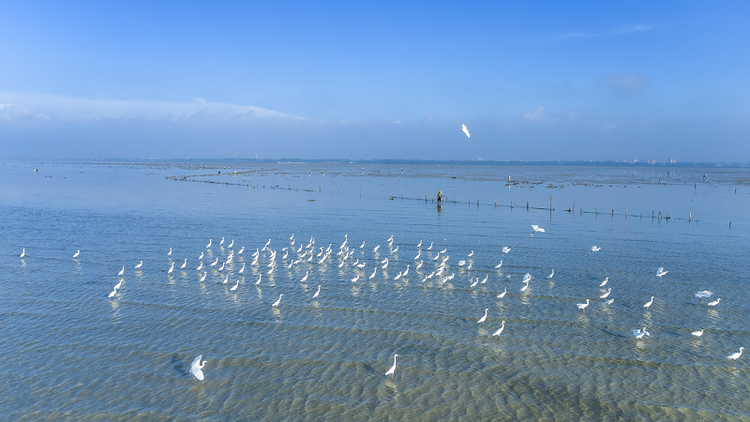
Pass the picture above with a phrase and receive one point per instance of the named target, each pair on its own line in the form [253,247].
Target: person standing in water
[440,197]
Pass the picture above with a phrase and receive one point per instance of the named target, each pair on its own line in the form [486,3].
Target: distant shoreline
[562,163]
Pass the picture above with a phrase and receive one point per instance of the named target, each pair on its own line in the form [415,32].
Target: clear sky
[550,80]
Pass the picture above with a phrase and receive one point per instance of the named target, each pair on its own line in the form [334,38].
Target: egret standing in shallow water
[649,303]
[604,282]
[715,302]
[209,243]
[276,304]
[139,265]
[735,356]
[551,274]
[595,248]
[484,318]
[196,367]
[660,272]
[122,271]
[502,295]
[499,331]
[583,306]
[604,296]
[23,253]
[697,333]
[235,286]
[393,368]
[75,255]
[317,293]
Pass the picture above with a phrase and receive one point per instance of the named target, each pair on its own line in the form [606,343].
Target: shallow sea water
[71,353]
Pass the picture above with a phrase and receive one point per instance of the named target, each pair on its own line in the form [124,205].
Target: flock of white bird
[345,253]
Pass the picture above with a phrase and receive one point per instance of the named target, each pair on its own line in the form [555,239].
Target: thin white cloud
[16,106]
[610,32]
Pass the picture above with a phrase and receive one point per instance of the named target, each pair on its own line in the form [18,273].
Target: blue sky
[542,80]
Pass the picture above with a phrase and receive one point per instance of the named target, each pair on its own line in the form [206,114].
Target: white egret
[418,255]
[235,286]
[242,249]
[213,264]
[118,285]
[406,272]
[75,255]
[139,265]
[196,367]
[649,303]
[436,257]
[697,333]
[420,244]
[583,305]
[396,250]
[604,296]
[595,248]
[276,304]
[506,249]
[114,292]
[385,265]
[222,266]
[222,241]
[200,266]
[362,246]
[200,257]
[376,248]
[231,244]
[640,333]
[420,264]
[536,228]
[444,251]
[735,356]
[122,271]
[604,282]
[226,280]
[209,243]
[317,293]
[397,276]
[260,276]
[304,279]
[23,253]
[499,331]
[475,282]
[461,263]
[523,289]
[430,248]
[292,238]
[485,279]
[393,368]
[551,274]
[355,279]
[715,302]
[499,265]
[610,301]
[204,277]
[184,264]
[271,271]
[660,272]
[502,295]
[242,270]
[465,130]
[484,318]
[170,252]
[373,273]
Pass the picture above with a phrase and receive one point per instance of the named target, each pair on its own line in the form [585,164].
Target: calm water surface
[71,353]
